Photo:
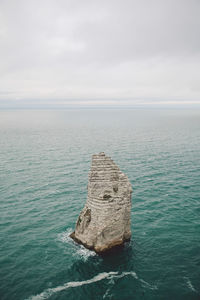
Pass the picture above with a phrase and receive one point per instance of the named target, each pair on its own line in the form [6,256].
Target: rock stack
[105,220]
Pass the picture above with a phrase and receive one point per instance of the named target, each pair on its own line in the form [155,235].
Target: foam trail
[125,274]
[110,275]
[189,284]
[47,293]
[106,295]
[144,283]
[130,273]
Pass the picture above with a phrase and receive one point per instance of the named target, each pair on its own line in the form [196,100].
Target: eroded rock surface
[105,220]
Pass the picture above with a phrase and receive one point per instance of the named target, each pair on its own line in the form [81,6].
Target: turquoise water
[44,162]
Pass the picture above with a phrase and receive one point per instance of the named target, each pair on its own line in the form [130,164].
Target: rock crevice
[105,220]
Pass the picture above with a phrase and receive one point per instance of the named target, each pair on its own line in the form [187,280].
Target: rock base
[106,249]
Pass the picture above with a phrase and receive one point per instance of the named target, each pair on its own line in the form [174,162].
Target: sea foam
[78,250]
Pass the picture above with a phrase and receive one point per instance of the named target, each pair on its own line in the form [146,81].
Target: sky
[105,52]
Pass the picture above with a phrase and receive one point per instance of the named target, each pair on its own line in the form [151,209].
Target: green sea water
[44,162]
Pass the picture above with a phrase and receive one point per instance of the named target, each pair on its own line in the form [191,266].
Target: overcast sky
[99,52]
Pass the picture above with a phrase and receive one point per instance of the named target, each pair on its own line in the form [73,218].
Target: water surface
[44,162]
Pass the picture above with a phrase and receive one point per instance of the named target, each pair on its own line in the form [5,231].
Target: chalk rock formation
[105,220]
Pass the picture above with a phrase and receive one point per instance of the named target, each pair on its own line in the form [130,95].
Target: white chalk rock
[105,221]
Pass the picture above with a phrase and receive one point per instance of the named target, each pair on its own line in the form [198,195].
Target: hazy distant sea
[44,162]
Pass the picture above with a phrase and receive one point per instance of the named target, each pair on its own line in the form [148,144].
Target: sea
[45,157]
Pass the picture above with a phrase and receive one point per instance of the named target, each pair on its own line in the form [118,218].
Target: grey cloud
[91,49]
[146,28]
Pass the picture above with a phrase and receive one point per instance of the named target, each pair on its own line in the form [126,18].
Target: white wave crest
[47,293]
[85,253]
[78,250]
[64,236]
